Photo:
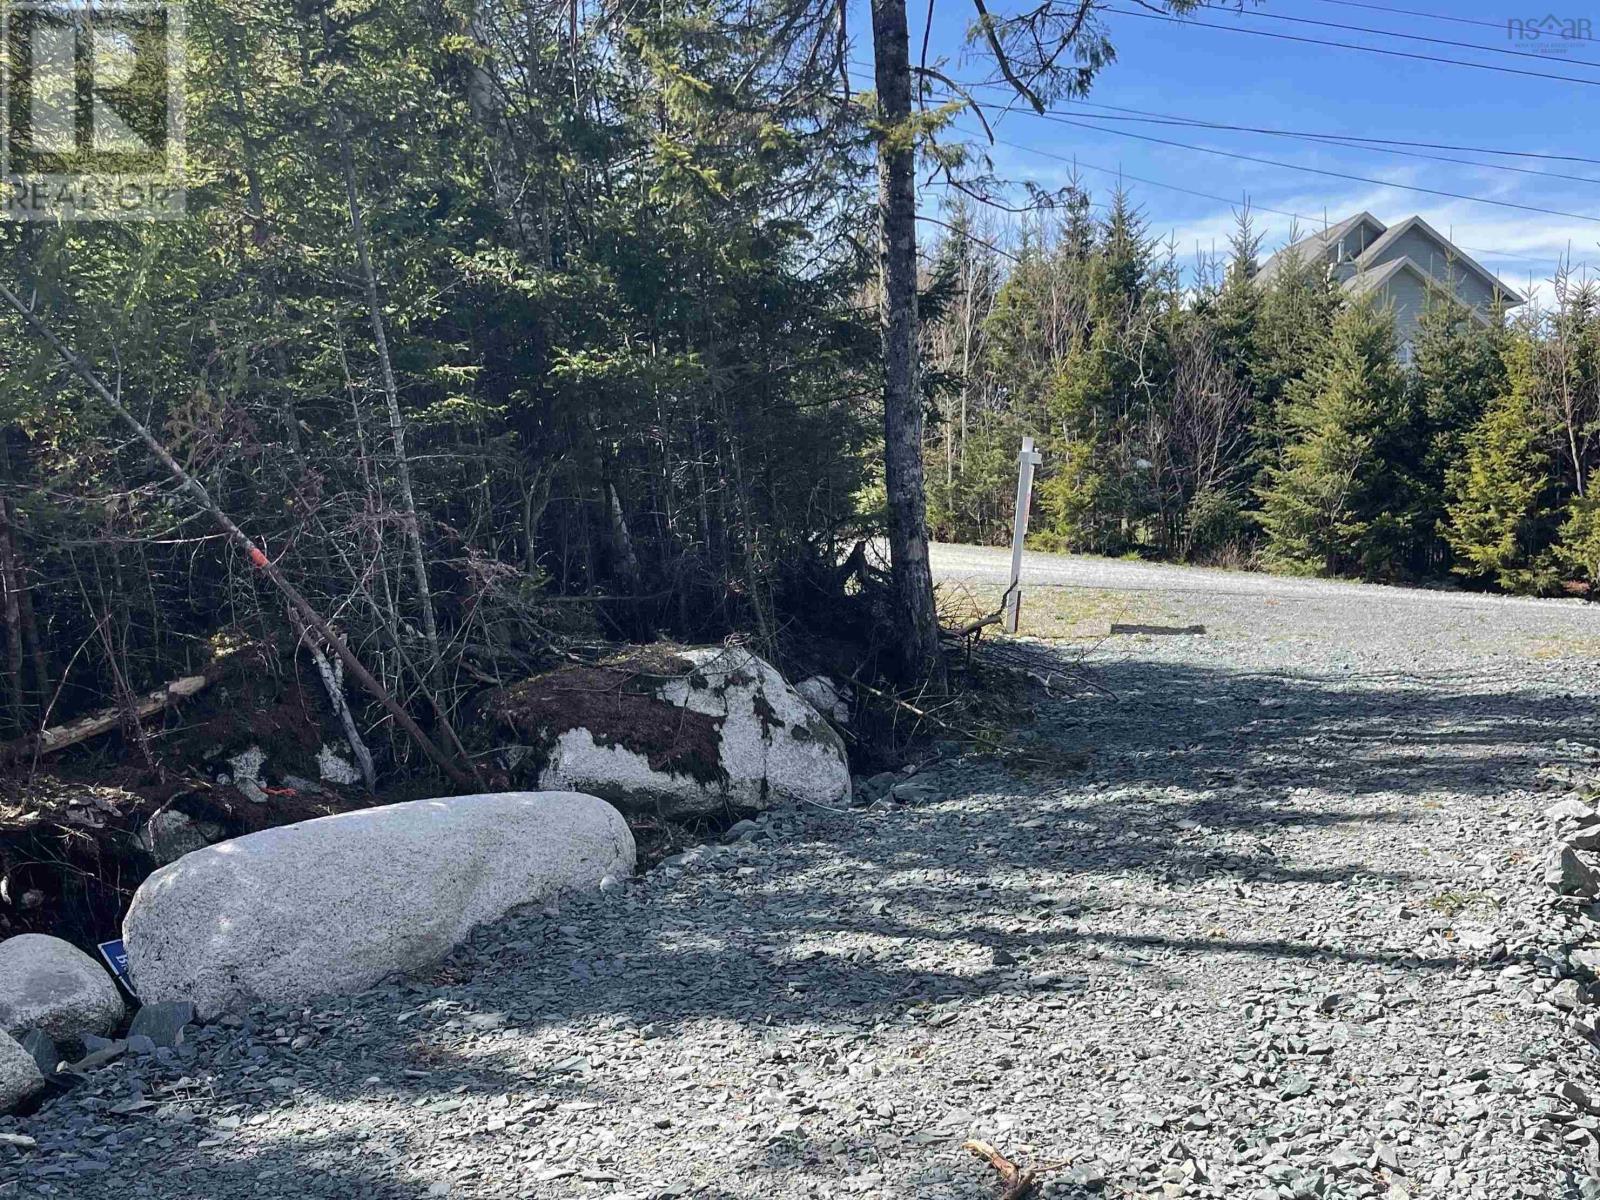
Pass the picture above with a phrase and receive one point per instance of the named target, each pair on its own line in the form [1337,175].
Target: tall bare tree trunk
[11,604]
[902,401]
[391,395]
[32,643]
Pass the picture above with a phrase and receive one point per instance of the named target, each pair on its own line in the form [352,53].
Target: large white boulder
[52,986]
[337,903]
[19,1074]
[688,731]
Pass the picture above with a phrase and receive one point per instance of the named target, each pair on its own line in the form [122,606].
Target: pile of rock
[1568,869]
[335,904]
[1571,873]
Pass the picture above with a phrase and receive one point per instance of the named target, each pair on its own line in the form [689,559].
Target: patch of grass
[1568,646]
[1057,613]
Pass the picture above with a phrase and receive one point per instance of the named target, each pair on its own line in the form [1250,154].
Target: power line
[1373,145]
[971,237]
[1249,204]
[1344,137]
[1290,37]
[1304,133]
[1326,139]
[1410,37]
[1064,120]
[1411,12]
[1075,161]
[1275,162]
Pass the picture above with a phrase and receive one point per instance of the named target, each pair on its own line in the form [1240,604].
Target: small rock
[1086,1175]
[1569,875]
[914,792]
[879,784]
[1586,959]
[43,1049]
[100,1056]
[1566,994]
[171,834]
[163,1023]
[1577,1097]
[1585,838]
[821,693]
[1570,809]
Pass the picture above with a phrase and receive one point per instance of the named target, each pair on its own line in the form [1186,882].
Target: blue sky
[1236,78]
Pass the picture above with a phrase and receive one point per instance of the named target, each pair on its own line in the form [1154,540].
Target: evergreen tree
[1579,547]
[1457,369]
[1236,310]
[1336,502]
[1502,508]
[1290,329]
[1096,502]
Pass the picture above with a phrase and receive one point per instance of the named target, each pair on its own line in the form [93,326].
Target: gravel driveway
[1280,939]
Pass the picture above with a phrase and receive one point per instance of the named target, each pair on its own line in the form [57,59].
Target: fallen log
[61,736]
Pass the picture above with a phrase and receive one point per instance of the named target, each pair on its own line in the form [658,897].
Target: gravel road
[1284,937]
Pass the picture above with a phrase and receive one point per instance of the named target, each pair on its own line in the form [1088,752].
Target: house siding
[1437,261]
[1405,297]
[1402,291]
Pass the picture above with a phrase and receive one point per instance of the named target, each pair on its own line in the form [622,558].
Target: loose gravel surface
[1286,936]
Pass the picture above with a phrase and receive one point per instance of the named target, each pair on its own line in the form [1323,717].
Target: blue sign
[116,956]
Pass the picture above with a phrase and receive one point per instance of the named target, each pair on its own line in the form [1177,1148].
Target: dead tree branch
[239,538]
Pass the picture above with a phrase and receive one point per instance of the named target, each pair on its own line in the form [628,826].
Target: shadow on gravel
[875,919]
[1168,724]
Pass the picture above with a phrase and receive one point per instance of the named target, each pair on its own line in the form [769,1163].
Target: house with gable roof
[1401,265]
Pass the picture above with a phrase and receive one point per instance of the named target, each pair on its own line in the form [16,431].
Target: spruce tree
[1502,510]
[1458,369]
[1095,502]
[1236,310]
[1288,331]
[1335,502]
[1579,547]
